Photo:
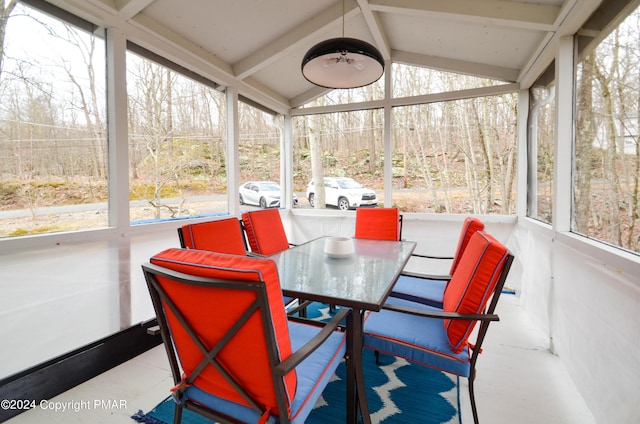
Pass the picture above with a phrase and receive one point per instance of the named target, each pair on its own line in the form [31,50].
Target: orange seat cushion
[378,223]
[265,232]
[222,236]
[212,312]
[472,285]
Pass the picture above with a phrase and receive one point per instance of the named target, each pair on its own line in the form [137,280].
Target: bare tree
[151,101]
[6,7]
[610,174]
[447,151]
[486,153]
[471,165]
[88,95]
[421,154]
[317,170]
[584,141]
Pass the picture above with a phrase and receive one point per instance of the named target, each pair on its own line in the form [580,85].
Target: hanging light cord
[342,18]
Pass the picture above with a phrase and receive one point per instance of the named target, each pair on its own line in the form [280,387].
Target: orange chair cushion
[265,232]
[469,227]
[378,223]
[212,312]
[472,285]
[222,236]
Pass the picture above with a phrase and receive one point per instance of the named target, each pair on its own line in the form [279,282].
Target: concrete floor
[519,381]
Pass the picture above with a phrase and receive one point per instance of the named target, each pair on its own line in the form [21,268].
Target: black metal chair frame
[484,318]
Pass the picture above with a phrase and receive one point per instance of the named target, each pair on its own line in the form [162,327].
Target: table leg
[356,390]
[352,404]
[361,391]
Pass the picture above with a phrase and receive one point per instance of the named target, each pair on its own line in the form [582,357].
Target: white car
[265,194]
[344,193]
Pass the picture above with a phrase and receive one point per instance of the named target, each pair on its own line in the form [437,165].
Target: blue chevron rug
[398,392]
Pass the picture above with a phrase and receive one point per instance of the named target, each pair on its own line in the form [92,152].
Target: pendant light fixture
[342,62]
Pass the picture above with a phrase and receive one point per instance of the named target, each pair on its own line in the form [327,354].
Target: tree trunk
[317,171]
[5,13]
[611,178]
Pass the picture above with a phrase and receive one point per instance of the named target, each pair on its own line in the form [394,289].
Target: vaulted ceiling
[258,45]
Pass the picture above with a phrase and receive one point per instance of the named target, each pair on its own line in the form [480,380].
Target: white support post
[286,162]
[233,141]
[565,117]
[118,183]
[522,156]
[388,139]
[117,131]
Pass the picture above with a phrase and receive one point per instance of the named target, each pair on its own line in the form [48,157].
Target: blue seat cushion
[422,290]
[415,338]
[313,375]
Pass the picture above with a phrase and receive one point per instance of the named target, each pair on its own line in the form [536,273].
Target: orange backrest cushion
[265,232]
[472,285]
[378,223]
[469,227]
[222,236]
[212,311]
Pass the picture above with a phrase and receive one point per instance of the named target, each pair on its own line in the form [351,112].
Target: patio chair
[429,288]
[439,338]
[220,235]
[266,236]
[378,223]
[225,236]
[234,354]
[265,232]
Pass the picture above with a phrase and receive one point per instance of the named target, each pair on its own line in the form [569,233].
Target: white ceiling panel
[258,45]
[233,29]
[467,41]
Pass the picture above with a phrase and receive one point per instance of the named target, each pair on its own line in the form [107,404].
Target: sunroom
[124,120]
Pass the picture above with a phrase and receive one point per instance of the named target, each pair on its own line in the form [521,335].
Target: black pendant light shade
[343,63]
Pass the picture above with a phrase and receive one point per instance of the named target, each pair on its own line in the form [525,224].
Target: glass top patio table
[362,281]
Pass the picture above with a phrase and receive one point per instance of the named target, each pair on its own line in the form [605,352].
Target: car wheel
[241,200]
[343,204]
[311,196]
[263,203]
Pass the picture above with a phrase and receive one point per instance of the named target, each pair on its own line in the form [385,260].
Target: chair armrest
[445,277]
[260,255]
[301,306]
[301,354]
[432,257]
[441,314]
[428,302]
[311,321]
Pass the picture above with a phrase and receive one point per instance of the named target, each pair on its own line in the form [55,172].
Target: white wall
[63,291]
[586,297]
[54,299]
